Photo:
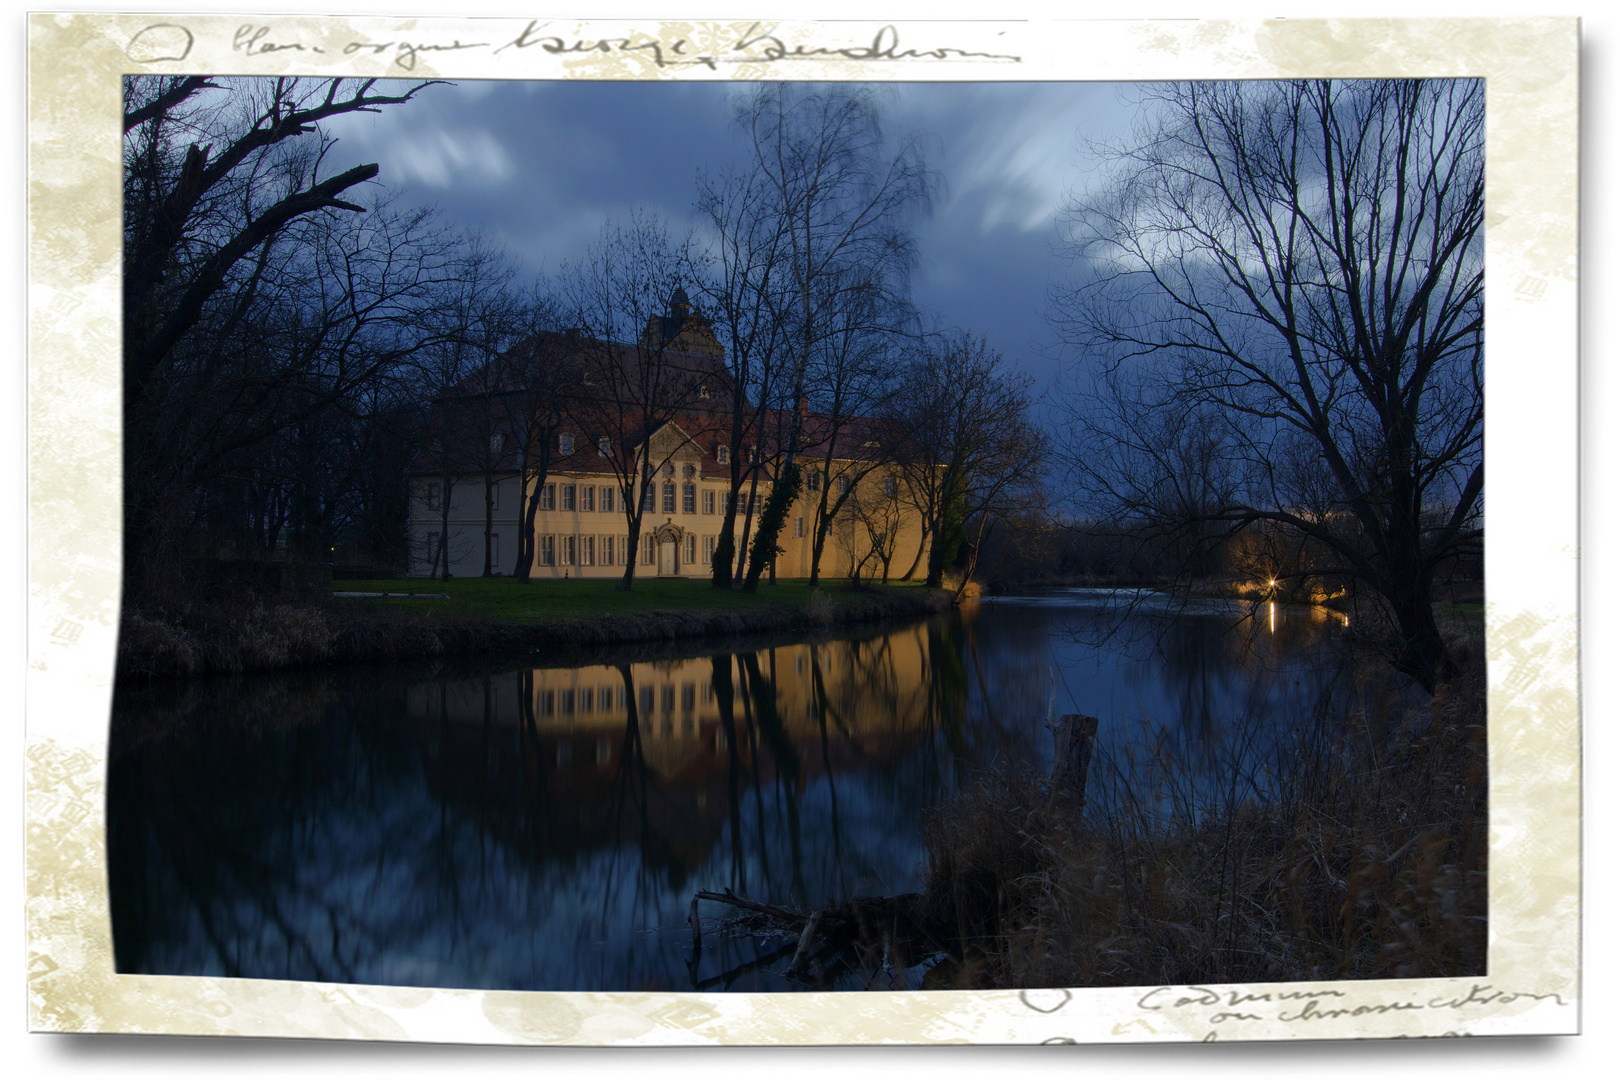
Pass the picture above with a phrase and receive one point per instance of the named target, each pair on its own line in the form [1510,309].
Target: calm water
[528,825]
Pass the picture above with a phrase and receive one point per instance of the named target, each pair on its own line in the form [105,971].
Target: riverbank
[485,616]
[1369,864]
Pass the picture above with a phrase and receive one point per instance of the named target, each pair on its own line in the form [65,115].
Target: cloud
[444,159]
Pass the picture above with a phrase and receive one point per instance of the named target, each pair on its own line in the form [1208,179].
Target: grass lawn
[539,600]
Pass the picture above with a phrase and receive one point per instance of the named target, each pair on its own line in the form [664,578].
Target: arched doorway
[667,542]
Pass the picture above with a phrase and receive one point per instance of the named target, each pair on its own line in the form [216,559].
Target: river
[541,823]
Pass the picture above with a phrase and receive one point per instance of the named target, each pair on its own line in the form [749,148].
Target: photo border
[1530,66]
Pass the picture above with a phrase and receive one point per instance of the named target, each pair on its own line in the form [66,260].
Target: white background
[170,1057]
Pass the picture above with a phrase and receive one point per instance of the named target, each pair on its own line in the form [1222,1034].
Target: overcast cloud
[541,165]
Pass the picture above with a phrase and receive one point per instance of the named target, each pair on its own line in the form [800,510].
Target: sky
[542,165]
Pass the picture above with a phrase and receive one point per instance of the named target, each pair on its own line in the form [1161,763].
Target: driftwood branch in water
[895,928]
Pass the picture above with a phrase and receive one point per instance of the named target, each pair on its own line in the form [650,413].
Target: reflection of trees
[450,822]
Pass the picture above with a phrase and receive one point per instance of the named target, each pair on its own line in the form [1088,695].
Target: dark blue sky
[541,165]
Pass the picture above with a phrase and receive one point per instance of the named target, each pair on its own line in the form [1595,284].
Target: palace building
[680,470]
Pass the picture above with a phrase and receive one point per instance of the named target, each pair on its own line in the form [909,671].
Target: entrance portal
[666,559]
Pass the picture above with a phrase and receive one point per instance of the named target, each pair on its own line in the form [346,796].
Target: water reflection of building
[564,760]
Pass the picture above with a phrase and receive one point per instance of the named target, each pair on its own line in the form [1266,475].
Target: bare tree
[746,288]
[840,200]
[636,376]
[971,451]
[1296,269]
[542,373]
[254,298]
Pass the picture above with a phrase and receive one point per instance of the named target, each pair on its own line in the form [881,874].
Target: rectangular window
[587,499]
[708,550]
[587,551]
[649,497]
[669,497]
[646,552]
[667,699]
[568,551]
[691,549]
[607,500]
[646,699]
[708,502]
[798,527]
[723,455]
[813,481]
[888,486]
[495,551]
[495,495]
[548,703]
[548,497]
[433,496]
[624,551]
[602,446]
[568,496]
[688,499]
[689,697]
[566,700]
[548,551]
[565,445]
[607,551]
[843,484]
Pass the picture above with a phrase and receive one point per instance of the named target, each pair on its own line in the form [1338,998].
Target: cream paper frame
[1530,67]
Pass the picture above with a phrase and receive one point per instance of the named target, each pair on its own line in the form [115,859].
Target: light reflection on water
[534,826]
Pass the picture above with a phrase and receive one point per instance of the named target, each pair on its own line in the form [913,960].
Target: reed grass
[1367,862]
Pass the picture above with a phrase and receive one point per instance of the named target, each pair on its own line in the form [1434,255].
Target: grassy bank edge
[255,636]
